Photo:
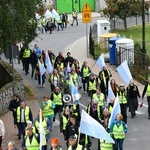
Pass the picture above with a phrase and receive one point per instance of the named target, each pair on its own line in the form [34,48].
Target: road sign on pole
[86,13]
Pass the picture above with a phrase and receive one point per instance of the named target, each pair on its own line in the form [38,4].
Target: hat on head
[94,101]
[73,137]
[29,122]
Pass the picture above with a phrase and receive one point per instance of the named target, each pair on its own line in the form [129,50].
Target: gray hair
[11,143]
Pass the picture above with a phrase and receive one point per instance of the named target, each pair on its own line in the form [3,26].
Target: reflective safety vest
[105,145]
[118,132]
[74,108]
[47,110]
[26,114]
[104,74]
[32,128]
[26,53]
[148,90]
[104,80]
[100,99]
[52,78]
[74,14]
[92,86]
[44,122]
[61,65]
[122,97]
[98,110]
[57,99]
[33,145]
[64,120]
[59,19]
[75,78]
[110,109]
[79,147]
[86,72]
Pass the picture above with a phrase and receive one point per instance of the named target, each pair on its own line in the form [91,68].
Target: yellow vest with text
[118,132]
[122,97]
[26,114]
[92,86]
[99,99]
[79,147]
[105,145]
[47,110]
[33,145]
[148,90]
[26,53]
[57,99]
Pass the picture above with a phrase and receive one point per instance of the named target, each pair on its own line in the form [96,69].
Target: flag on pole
[68,69]
[41,69]
[93,128]
[73,88]
[116,110]
[55,15]
[110,93]
[48,14]
[100,61]
[124,72]
[42,134]
[48,64]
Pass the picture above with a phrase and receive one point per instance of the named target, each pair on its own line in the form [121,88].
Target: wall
[6,91]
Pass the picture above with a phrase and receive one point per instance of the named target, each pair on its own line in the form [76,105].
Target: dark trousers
[124,112]
[75,19]
[0,141]
[26,64]
[119,144]
[43,79]
[59,24]
[21,128]
[148,102]
[85,81]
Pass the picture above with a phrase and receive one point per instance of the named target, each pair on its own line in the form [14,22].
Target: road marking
[139,112]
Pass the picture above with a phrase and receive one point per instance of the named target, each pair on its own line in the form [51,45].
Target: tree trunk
[125,24]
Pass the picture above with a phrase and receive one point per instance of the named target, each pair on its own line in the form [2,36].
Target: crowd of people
[56,22]
[68,71]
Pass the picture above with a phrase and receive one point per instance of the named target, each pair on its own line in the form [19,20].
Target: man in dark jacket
[69,59]
[132,97]
[33,61]
[64,19]
[14,103]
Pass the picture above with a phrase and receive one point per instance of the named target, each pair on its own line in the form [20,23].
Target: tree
[18,21]
[123,9]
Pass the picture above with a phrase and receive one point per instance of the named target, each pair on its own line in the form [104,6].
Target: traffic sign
[86,14]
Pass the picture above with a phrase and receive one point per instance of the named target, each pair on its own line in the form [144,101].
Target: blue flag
[110,93]
[48,64]
[116,110]
[100,61]
[124,72]
[91,127]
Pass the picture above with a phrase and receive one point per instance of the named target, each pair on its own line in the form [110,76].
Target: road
[138,131]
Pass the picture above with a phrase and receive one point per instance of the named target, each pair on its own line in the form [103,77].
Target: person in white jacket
[2,133]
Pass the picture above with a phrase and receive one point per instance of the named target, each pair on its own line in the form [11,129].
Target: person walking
[26,58]
[33,61]
[55,144]
[118,130]
[59,22]
[13,105]
[74,17]
[57,98]
[48,107]
[132,96]
[122,95]
[31,141]
[64,19]
[23,115]
[147,91]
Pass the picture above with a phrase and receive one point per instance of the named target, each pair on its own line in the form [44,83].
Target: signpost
[86,18]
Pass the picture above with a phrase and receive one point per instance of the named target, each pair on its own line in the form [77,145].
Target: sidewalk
[78,50]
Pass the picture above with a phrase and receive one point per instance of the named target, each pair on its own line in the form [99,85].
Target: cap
[29,122]
[73,137]
[121,85]
[94,101]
